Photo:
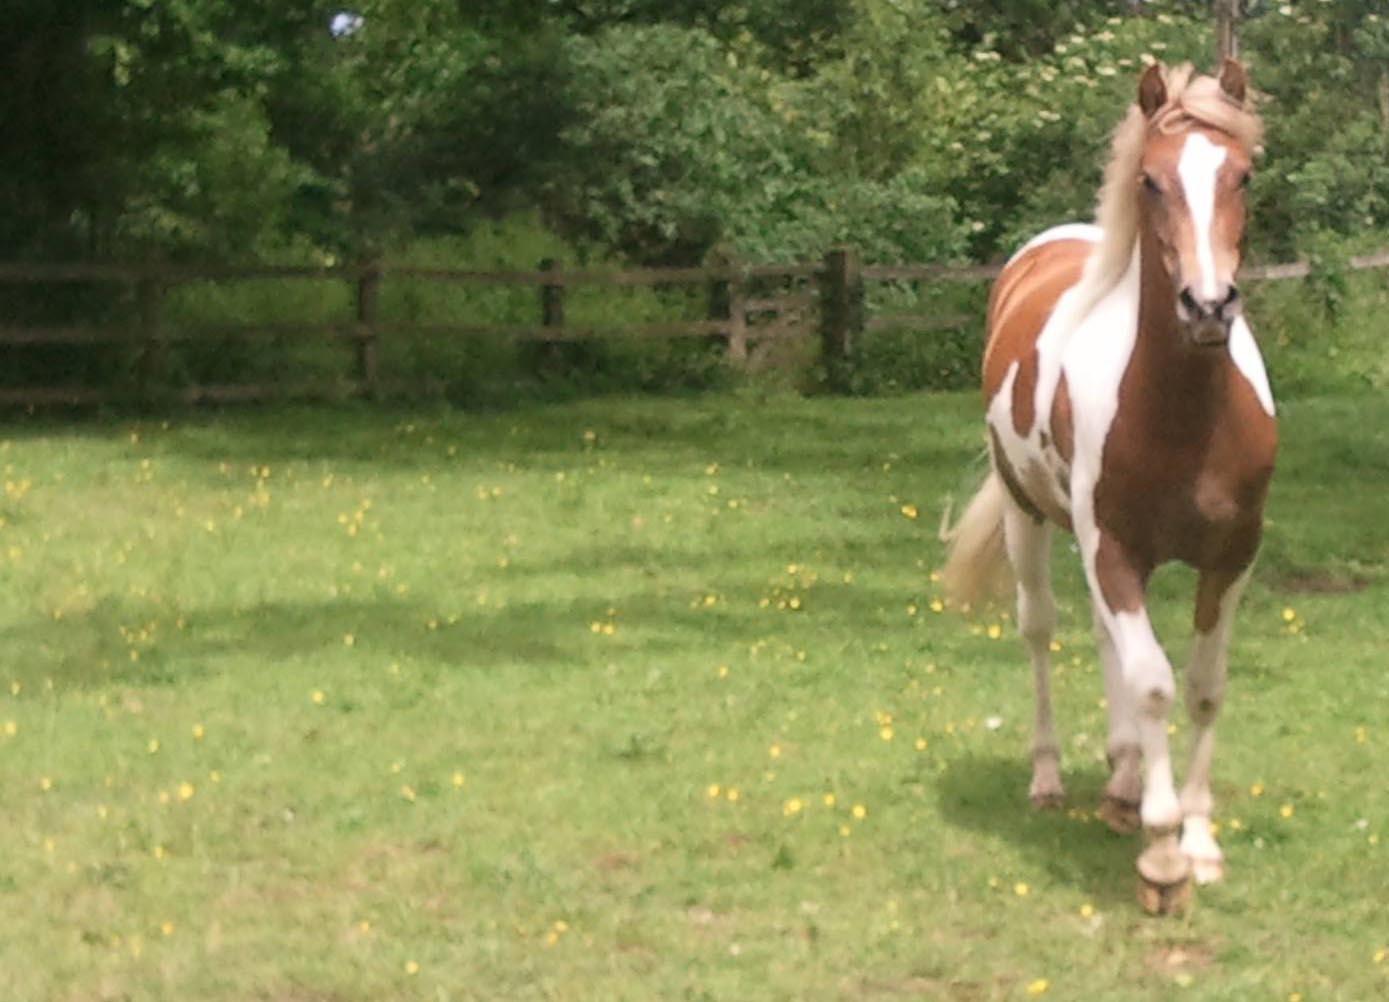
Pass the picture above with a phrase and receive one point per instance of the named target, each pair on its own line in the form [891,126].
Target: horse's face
[1192,184]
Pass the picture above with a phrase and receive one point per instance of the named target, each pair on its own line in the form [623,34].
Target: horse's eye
[1149,185]
[1245,178]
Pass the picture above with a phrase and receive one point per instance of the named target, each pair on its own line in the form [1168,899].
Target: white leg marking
[1197,168]
[1205,691]
[1029,553]
[1151,690]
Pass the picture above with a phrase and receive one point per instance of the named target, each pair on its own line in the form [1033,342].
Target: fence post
[841,310]
[728,295]
[551,297]
[149,295]
[1226,30]
[368,296]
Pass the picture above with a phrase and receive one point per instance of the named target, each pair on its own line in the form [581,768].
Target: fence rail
[747,305]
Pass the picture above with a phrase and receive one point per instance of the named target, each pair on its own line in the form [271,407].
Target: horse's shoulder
[1026,293]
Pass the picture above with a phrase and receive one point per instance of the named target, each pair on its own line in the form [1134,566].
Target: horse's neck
[1178,387]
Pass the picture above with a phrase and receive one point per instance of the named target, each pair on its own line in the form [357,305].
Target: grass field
[634,700]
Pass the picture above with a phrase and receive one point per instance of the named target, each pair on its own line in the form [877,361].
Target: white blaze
[1197,168]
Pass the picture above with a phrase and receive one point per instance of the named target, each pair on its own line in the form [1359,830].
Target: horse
[1126,401]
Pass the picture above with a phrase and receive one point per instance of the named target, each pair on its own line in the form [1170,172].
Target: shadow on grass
[141,642]
[144,644]
[988,795]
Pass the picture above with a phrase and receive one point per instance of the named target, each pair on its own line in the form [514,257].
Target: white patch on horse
[1067,231]
[1244,352]
[1197,168]
[1094,357]
[1016,449]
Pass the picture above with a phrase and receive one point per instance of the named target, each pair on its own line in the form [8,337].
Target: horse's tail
[976,563]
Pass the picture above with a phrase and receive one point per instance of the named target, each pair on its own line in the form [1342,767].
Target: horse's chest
[1167,503]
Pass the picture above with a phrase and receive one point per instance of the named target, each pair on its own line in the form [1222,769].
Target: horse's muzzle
[1209,333]
[1208,321]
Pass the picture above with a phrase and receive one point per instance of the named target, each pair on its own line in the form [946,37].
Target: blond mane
[1191,100]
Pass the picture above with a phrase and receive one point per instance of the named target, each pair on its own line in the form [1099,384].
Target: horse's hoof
[1203,853]
[1122,816]
[1207,870]
[1052,800]
[1164,877]
[1164,899]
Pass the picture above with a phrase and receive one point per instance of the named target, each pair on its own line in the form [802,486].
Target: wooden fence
[747,305]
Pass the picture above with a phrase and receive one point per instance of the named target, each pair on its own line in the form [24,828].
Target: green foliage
[638,131]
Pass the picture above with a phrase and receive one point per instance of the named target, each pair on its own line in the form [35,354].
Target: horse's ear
[1152,90]
[1234,81]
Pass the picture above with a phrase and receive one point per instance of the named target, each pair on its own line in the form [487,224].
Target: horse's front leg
[1217,596]
[1119,583]
[1123,793]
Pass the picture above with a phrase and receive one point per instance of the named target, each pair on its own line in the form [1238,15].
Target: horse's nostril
[1189,301]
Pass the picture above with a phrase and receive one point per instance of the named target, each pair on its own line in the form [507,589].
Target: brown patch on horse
[1210,589]
[1020,304]
[1010,480]
[1062,424]
[1122,579]
[1188,459]
[1025,394]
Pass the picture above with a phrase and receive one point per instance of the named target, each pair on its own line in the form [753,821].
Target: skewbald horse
[1127,402]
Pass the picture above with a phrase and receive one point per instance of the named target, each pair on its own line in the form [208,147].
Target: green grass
[352,704]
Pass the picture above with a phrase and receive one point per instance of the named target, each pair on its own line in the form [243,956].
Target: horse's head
[1192,179]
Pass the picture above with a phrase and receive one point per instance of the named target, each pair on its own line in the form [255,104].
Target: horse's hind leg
[1029,551]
